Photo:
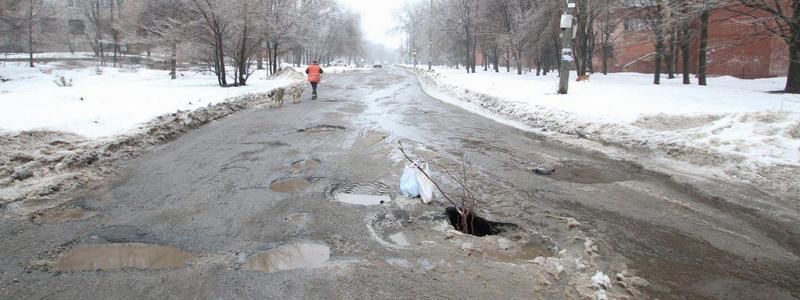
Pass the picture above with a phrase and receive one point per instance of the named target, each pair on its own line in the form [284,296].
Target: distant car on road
[377,66]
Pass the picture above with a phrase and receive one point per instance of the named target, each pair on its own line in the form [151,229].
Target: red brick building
[735,48]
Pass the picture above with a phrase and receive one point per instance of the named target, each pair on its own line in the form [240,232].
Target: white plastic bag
[425,185]
[409,186]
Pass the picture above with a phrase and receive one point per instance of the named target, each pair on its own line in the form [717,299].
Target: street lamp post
[566,51]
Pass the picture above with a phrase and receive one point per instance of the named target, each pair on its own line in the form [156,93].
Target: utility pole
[430,40]
[566,52]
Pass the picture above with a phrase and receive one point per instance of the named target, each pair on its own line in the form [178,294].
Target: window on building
[76,27]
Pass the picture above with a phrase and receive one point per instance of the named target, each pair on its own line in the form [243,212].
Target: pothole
[90,257]
[361,188]
[366,200]
[290,257]
[475,225]
[301,166]
[289,185]
[362,193]
[321,129]
[588,175]
[64,215]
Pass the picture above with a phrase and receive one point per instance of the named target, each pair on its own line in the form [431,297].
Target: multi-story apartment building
[735,47]
[61,25]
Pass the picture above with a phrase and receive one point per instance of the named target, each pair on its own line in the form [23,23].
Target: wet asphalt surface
[212,193]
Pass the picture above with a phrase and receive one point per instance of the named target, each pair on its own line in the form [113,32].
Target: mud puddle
[321,129]
[62,216]
[366,200]
[108,257]
[290,257]
[289,185]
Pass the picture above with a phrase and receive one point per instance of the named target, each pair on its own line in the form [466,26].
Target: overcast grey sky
[378,17]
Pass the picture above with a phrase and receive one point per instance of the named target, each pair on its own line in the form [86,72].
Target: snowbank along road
[286,203]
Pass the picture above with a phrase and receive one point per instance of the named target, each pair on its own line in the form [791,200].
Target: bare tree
[163,23]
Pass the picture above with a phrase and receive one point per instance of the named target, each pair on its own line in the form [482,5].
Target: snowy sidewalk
[732,124]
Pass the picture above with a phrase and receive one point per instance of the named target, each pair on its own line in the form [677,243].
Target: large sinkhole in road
[93,257]
[475,225]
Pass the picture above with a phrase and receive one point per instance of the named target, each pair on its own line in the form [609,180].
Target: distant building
[61,26]
[735,48]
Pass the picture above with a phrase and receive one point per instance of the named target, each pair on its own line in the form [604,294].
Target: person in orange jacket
[314,72]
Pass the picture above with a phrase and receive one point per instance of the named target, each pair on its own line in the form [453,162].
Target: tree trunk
[173,62]
[686,56]
[518,58]
[496,60]
[671,59]
[605,58]
[30,33]
[474,56]
[222,76]
[659,32]
[702,59]
[793,77]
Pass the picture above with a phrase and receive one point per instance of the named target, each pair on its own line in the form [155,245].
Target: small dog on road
[583,78]
[277,97]
[297,92]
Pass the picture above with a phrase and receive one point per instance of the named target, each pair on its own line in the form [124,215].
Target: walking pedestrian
[314,72]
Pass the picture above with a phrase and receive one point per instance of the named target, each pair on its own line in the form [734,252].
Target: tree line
[231,38]
[525,34]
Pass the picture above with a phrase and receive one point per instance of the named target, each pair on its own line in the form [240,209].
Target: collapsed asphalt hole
[475,225]
[588,175]
[91,257]
[321,129]
[289,185]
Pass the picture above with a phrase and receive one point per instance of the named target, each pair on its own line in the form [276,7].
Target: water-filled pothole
[289,257]
[475,225]
[64,215]
[92,257]
[358,199]
[289,185]
[588,175]
[301,166]
[321,129]
[361,188]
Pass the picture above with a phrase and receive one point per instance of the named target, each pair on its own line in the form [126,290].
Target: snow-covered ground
[111,102]
[733,123]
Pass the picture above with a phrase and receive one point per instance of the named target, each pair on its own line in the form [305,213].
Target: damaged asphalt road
[246,207]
